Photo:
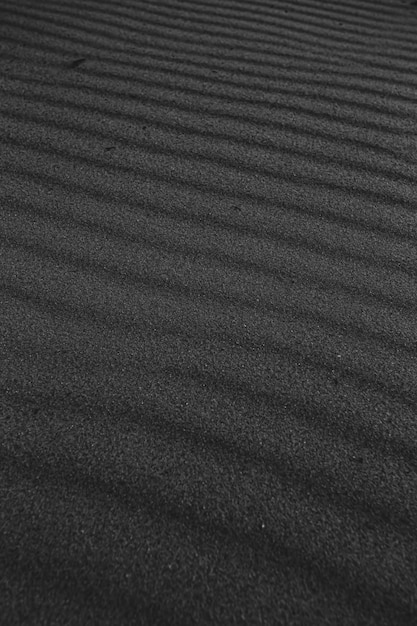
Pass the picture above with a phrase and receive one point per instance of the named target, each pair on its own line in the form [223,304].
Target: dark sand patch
[208,407]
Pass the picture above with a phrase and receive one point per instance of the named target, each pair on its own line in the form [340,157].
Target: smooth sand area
[208,313]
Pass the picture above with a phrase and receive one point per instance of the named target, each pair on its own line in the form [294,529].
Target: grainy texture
[208,312]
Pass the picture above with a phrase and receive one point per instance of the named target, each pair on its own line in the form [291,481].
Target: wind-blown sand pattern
[208,382]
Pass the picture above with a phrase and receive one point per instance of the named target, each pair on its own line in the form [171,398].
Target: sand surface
[208,312]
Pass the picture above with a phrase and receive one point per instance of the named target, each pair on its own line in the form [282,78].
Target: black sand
[208,272]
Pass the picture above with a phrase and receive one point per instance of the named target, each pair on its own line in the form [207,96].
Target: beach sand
[208,312]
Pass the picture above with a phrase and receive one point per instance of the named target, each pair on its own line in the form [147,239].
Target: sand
[208,312]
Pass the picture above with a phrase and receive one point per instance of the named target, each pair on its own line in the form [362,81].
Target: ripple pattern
[208,312]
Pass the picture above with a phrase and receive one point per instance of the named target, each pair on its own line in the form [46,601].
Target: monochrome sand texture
[208,312]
